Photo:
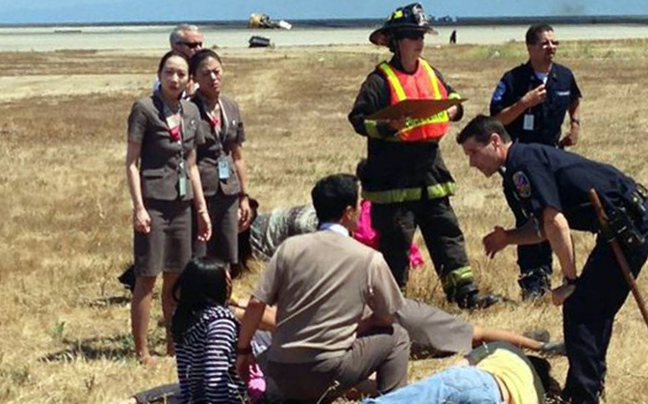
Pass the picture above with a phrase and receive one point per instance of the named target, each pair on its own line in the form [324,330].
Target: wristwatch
[567,281]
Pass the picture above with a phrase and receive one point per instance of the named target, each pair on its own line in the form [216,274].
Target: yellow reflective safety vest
[422,85]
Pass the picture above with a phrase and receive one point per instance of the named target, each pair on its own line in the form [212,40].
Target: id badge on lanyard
[528,122]
[174,128]
[223,163]
[182,179]
[182,166]
[223,169]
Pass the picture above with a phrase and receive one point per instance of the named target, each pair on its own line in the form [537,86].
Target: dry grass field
[65,232]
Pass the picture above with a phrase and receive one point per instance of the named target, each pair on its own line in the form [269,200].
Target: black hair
[481,128]
[199,57]
[331,195]
[168,56]
[201,285]
[534,32]
[550,385]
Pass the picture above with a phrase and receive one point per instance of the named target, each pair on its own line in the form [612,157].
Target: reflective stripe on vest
[423,84]
[410,194]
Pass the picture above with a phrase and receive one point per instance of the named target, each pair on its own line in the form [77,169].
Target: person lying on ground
[492,373]
[267,231]
[435,332]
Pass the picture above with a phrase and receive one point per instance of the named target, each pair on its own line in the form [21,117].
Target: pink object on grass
[256,385]
[366,234]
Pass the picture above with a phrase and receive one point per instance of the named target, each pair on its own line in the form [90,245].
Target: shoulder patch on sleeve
[499,92]
[522,184]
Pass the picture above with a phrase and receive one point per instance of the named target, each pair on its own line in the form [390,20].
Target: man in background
[531,101]
[186,39]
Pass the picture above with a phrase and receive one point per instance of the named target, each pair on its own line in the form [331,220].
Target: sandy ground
[45,39]
[151,41]
[25,86]
[14,88]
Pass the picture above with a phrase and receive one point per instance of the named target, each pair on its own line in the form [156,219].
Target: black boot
[534,284]
[468,297]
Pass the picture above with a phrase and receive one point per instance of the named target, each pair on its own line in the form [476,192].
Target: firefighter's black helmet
[408,18]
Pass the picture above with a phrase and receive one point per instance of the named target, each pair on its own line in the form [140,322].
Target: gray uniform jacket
[161,157]
[217,146]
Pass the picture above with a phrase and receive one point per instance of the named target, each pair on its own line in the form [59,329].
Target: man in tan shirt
[322,283]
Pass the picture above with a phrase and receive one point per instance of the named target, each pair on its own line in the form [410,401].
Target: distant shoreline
[365,22]
[134,38]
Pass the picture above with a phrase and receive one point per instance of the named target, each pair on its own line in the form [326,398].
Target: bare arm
[251,319]
[482,335]
[141,218]
[558,233]
[268,321]
[244,207]
[559,236]
[500,238]
[571,139]
[204,223]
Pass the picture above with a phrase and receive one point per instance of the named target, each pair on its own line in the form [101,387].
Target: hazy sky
[48,11]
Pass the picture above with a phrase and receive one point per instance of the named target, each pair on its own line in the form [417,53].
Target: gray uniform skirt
[223,244]
[167,247]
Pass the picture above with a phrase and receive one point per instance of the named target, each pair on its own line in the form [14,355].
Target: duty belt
[624,222]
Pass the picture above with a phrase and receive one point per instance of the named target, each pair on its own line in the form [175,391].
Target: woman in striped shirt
[205,333]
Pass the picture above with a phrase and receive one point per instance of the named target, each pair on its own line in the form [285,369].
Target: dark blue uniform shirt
[562,91]
[542,176]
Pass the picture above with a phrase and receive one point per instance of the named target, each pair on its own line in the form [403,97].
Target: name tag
[223,169]
[528,122]
[182,180]
[563,93]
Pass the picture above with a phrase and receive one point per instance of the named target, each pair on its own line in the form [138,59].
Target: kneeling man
[322,283]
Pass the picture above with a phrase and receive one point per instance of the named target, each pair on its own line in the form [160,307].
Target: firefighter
[405,177]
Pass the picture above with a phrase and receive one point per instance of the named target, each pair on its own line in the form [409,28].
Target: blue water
[235,34]
[373,22]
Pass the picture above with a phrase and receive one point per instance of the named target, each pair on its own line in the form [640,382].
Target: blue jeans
[456,385]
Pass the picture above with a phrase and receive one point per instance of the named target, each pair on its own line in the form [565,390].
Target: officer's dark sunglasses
[414,35]
[192,45]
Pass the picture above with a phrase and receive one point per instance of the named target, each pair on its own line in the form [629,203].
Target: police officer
[556,200]
[531,101]
[405,177]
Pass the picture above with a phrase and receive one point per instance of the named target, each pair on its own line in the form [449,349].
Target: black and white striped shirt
[206,360]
